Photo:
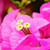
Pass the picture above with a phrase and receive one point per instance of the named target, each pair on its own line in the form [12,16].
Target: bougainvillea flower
[19,29]
[44,13]
[28,45]
[33,22]
[19,26]
[45,10]
[27,42]
[45,31]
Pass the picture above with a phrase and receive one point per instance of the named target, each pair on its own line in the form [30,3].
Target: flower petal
[39,22]
[26,41]
[37,15]
[45,10]
[6,30]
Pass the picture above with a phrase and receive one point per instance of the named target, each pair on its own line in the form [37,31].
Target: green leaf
[10,9]
[24,2]
[17,2]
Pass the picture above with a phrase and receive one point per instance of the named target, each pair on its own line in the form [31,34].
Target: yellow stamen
[26,25]
[19,22]
[19,27]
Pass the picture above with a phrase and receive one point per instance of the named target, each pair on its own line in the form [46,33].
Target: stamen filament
[26,31]
[29,31]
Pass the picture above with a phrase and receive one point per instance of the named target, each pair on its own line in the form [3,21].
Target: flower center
[19,22]
[19,27]
[24,27]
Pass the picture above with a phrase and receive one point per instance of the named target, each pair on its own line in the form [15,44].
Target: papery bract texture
[14,39]
[6,23]
[45,10]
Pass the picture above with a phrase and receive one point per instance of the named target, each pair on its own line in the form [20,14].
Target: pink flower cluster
[34,37]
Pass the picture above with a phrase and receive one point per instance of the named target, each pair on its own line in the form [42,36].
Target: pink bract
[44,13]
[45,10]
[15,40]
[6,22]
